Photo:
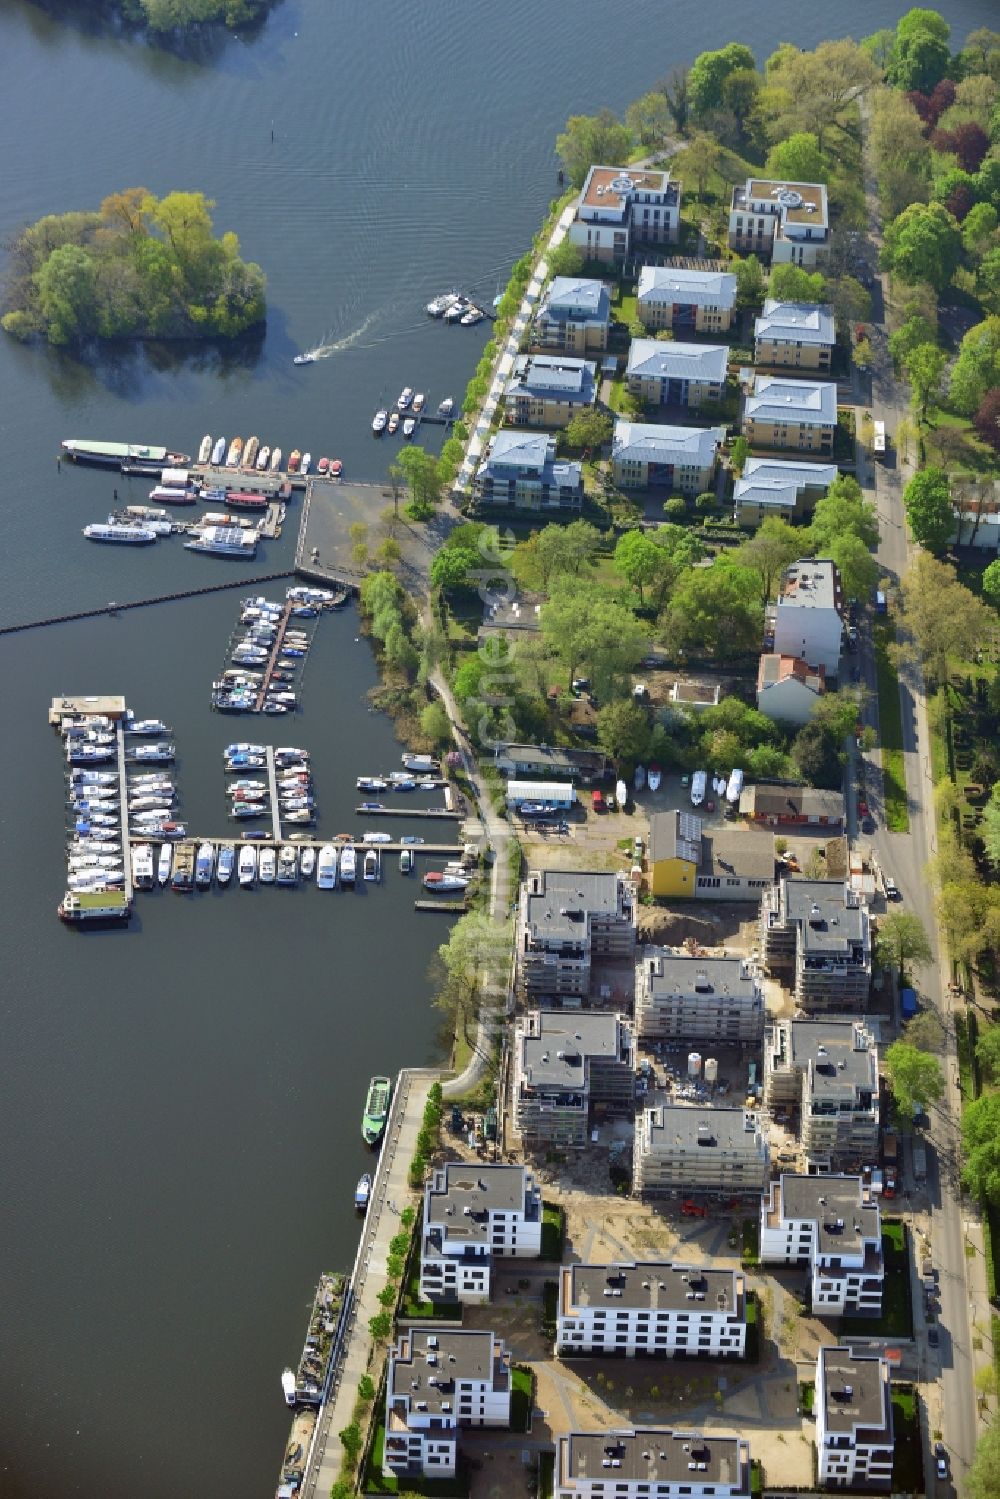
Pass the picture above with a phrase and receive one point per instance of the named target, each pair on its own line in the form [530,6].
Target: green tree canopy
[977,368]
[709,72]
[924,368]
[454,567]
[991,584]
[421,471]
[640,561]
[589,140]
[590,429]
[923,244]
[798,158]
[792,283]
[914,1076]
[921,55]
[981,1174]
[648,118]
[859,569]
[842,511]
[902,943]
[714,610]
[916,330]
[623,732]
[942,615]
[769,551]
[750,283]
[565,260]
[592,635]
[929,509]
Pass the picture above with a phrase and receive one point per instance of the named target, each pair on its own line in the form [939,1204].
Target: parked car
[693,1210]
[868,824]
[599,804]
[892,891]
[933,1336]
[941,1459]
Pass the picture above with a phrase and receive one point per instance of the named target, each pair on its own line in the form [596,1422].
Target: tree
[851,302]
[979,228]
[676,507]
[859,570]
[970,144]
[925,1031]
[810,90]
[566,549]
[435,724]
[977,368]
[596,634]
[988,277]
[648,118]
[701,159]
[798,158]
[791,283]
[739,94]
[750,282]
[981,1174]
[915,331]
[902,943]
[818,755]
[879,46]
[454,568]
[991,584]
[769,551]
[66,288]
[590,429]
[738,455]
[842,511]
[987,419]
[863,355]
[899,150]
[623,732]
[929,509]
[564,260]
[924,368]
[921,54]
[709,72]
[421,471]
[590,139]
[913,1076]
[640,561]
[924,243]
[677,94]
[466,970]
[988,1052]
[942,615]
[714,611]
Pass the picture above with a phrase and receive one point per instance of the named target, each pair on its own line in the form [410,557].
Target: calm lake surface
[180,1104]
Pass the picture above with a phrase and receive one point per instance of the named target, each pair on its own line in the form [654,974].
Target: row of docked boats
[407,412]
[453,307]
[220,535]
[253,456]
[250,795]
[266,650]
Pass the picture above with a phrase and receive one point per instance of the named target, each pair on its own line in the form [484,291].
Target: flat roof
[659,1285]
[558,902]
[653,1454]
[810,583]
[777,801]
[840,1206]
[653,442]
[840,1056]
[427,1361]
[668,972]
[704,288]
[789,470]
[606,184]
[556,1045]
[736,852]
[521,449]
[709,1129]
[550,375]
[461,1195]
[854,1388]
[824,911]
[811,207]
[798,322]
[778,399]
[71,707]
[651,358]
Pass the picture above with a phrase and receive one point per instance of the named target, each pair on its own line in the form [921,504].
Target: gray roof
[461,1196]
[810,583]
[665,283]
[651,442]
[796,322]
[731,853]
[443,1354]
[667,972]
[779,801]
[553,377]
[854,1388]
[710,1129]
[845,1216]
[654,1455]
[511,447]
[565,899]
[556,761]
[652,358]
[565,1040]
[675,835]
[658,1285]
[574,297]
[778,399]
[779,483]
[824,912]
[840,1055]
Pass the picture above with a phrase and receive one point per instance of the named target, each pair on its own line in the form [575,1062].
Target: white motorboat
[348,865]
[409,427]
[166,863]
[446,407]
[472,316]
[142,866]
[247,874]
[372,783]
[156,753]
[94,777]
[326,867]
[205,450]
[268,866]
[379,422]
[456,311]
[373,865]
[306,464]
[440,879]
[406,861]
[376,837]
[275,466]
[226,861]
[115,531]
[225,541]
[307,862]
[263,458]
[405,398]
[288,1375]
[146,726]
[288,865]
[235,452]
[304,359]
[438,306]
[219,452]
[418,402]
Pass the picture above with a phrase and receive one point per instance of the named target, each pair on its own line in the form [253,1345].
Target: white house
[574,315]
[676,374]
[853,1408]
[704,998]
[788,222]
[831,1225]
[795,333]
[648,455]
[788,690]
[441,1377]
[472,1213]
[620,208]
[673,297]
[557,794]
[682,1149]
[779,486]
[654,1308]
[809,616]
[651,1462]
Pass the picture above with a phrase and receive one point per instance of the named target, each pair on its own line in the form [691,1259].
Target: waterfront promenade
[390,1194]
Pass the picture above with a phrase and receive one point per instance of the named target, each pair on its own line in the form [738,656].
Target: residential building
[473,1213]
[792,806]
[779,486]
[574,316]
[566,918]
[683,1149]
[559,795]
[647,455]
[651,1462]
[672,297]
[549,390]
[526,762]
[855,1442]
[809,616]
[676,374]
[621,208]
[655,1308]
[565,1061]
[828,1069]
[441,1377]
[830,1224]
[685,859]
[783,413]
[705,998]
[786,222]
[816,938]
[520,471]
[796,333]
[788,690]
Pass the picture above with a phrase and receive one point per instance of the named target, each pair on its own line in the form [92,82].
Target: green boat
[376,1110]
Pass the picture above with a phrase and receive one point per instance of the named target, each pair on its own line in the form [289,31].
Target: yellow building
[674,853]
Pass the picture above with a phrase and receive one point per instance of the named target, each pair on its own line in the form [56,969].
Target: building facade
[828,1069]
[676,374]
[830,1225]
[520,471]
[792,806]
[574,316]
[786,222]
[706,998]
[565,1062]
[855,1442]
[472,1214]
[651,1462]
[565,918]
[783,413]
[549,390]
[685,861]
[809,615]
[681,1149]
[441,1378]
[788,690]
[779,486]
[622,208]
[655,1309]
[648,455]
[816,937]
[698,301]
[801,334]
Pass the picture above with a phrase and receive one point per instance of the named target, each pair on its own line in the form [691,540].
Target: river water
[179,1109]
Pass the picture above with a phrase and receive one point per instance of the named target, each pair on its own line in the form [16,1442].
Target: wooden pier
[448,906]
[272,781]
[409,812]
[114,607]
[265,681]
[433,850]
[123,805]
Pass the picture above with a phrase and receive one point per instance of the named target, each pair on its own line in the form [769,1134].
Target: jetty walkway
[114,607]
[390,1194]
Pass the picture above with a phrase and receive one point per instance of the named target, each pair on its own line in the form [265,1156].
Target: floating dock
[272,785]
[123,805]
[409,812]
[448,906]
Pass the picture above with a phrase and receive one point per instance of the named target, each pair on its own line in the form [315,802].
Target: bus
[878,440]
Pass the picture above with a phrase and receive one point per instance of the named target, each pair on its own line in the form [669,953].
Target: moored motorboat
[418,402]
[406,861]
[409,427]
[373,865]
[439,879]
[183,875]
[393,422]
[446,407]
[376,1110]
[362,1192]
[275,461]
[235,450]
[336,468]
[250,452]
[307,862]
[379,421]
[294,459]
[263,458]
[654,777]
[288,865]
[288,1383]
[205,451]
[306,463]
[472,316]
[348,865]
[438,306]
[326,867]
[226,863]
[268,866]
[247,867]
[166,863]
[456,311]
[204,865]
[323,466]
[142,866]
[116,532]
[404,398]
[219,453]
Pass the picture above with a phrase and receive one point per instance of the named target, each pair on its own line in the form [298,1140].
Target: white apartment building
[707,998]
[829,1070]
[656,1308]
[809,616]
[474,1213]
[853,1407]
[441,1377]
[680,1149]
[832,1225]
[651,1462]
[566,918]
[788,222]
[565,1061]
[620,208]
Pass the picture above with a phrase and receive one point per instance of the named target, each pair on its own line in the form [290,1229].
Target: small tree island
[181,15]
[141,267]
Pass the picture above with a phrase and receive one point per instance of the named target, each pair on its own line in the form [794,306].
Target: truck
[890,1149]
[881,607]
[919,1161]
[878,440]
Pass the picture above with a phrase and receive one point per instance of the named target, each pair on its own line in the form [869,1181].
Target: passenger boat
[142,866]
[205,450]
[246,499]
[362,1192]
[326,867]
[224,541]
[439,305]
[161,754]
[219,453]
[373,865]
[204,865]
[250,452]
[654,777]
[224,867]
[372,783]
[288,1375]
[294,459]
[95,907]
[446,407]
[268,866]
[306,463]
[404,398]
[114,454]
[409,427]
[288,864]
[247,868]
[376,1110]
[275,460]
[348,865]
[699,782]
[307,862]
[146,726]
[235,450]
[172,494]
[379,421]
[439,879]
[263,458]
[393,423]
[166,863]
[336,469]
[308,358]
[418,401]
[183,875]
[127,535]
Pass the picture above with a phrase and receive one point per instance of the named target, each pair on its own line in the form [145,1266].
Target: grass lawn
[553,1231]
[522,1395]
[907,1458]
[373,1481]
[890,718]
[412,1306]
[807,1397]
[616,395]
[951,442]
[750,1242]
[896,1320]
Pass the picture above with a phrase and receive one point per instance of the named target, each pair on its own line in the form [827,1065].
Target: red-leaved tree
[959,201]
[970,144]
[987,419]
